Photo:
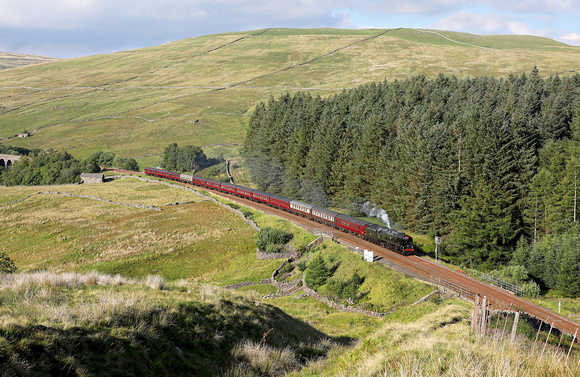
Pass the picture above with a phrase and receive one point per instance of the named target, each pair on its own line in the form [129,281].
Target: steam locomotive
[377,234]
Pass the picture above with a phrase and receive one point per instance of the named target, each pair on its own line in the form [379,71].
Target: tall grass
[255,358]
[71,280]
[155,282]
[441,344]
[45,297]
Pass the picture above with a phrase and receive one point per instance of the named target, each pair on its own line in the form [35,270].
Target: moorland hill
[201,90]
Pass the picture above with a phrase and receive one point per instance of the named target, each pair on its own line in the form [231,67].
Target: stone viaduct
[7,160]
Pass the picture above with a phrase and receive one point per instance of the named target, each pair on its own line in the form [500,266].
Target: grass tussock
[155,282]
[259,359]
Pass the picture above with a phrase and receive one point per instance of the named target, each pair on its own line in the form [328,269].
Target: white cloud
[520,28]
[56,14]
[470,22]
[533,6]
[573,38]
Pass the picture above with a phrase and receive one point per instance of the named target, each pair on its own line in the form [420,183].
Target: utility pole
[437,243]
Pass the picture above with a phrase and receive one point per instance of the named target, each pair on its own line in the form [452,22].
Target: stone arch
[7,160]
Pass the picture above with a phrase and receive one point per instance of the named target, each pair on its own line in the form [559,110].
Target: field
[134,266]
[64,233]
[201,91]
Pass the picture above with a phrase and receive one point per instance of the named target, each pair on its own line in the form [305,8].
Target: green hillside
[200,90]
[10,60]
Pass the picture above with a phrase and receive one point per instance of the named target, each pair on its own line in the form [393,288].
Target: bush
[267,237]
[6,264]
[317,272]
[531,289]
[272,248]
[248,214]
[512,274]
[345,288]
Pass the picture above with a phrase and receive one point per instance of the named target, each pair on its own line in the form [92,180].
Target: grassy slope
[441,344]
[50,327]
[70,233]
[198,241]
[45,329]
[136,102]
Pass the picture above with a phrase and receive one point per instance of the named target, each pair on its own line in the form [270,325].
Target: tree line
[188,158]
[37,167]
[480,161]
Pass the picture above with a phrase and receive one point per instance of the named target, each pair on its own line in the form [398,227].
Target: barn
[92,178]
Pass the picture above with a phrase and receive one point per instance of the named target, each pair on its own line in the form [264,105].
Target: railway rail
[425,270]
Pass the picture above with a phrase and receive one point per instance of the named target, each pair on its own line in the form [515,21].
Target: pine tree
[317,272]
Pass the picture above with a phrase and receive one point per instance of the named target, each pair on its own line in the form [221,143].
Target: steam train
[377,234]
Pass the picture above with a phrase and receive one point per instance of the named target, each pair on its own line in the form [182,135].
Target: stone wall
[288,254]
[340,307]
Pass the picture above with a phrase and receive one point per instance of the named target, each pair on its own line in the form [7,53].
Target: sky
[74,28]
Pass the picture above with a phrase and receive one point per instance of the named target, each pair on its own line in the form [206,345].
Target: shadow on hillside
[194,338]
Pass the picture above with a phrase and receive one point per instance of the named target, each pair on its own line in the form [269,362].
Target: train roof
[213,181]
[301,204]
[281,198]
[164,171]
[325,211]
[352,219]
[229,185]
[261,193]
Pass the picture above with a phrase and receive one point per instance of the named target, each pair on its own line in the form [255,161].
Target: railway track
[424,269]
[431,272]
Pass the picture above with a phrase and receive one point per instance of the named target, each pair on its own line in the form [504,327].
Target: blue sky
[72,28]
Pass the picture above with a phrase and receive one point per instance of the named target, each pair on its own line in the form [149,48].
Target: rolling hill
[11,60]
[201,90]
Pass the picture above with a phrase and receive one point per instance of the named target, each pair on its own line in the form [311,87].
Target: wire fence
[468,294]
[447,285]
[502,284]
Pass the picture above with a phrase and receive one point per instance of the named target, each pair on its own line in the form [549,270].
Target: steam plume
[371,210]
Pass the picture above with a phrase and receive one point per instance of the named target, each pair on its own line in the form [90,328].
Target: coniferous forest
[490,164]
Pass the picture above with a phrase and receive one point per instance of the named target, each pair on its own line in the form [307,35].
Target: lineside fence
[502,284]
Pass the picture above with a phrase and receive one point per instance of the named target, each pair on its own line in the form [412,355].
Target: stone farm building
[92,178]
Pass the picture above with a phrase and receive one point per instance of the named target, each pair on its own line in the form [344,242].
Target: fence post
[506,318]
[549,333]
[539,328]
[483,315]
[515,326]
[571,344]
[561,337]
[475,318]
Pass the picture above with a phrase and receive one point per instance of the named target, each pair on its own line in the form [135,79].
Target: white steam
[371,210]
